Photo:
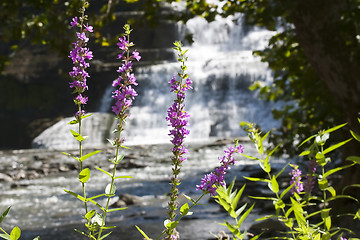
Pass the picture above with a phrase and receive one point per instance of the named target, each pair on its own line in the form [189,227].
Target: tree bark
[318,28]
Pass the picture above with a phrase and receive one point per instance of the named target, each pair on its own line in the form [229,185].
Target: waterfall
[221,66]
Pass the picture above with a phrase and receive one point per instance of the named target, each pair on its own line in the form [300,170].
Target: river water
[41,207]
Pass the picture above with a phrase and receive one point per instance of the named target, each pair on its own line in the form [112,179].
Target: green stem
[4,231]
[179,218]
[112,180]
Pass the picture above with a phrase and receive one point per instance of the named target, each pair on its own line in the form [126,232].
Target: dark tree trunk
[318,28]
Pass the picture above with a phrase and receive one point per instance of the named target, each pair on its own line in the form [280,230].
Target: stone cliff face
[34,92]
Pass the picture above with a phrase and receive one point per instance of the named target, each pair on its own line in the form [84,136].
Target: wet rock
[128,164]
[5,178]
[127,199]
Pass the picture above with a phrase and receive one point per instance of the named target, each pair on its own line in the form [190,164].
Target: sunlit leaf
[15,233]
[104,171]
[335,128]
[335,146]
[84,175]
[184,209]
[142,233]
[77,136]
[90,214]
[89,155]
[257,179]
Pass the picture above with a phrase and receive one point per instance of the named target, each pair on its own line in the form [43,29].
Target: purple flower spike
[79,55]
[125,94]
[296,178]
[211,181]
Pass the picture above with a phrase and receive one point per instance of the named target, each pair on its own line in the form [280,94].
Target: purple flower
[296,178]
[74,22]
[80,99]
[210,181]
[125,94]
[82,36]
[123,44]
[79,55]
[88,28]
[136,55]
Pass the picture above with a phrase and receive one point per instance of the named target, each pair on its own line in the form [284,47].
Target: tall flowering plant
[79,55]
[178,119]
[123,96]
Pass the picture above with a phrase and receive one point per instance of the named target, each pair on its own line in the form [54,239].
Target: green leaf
[4,214]
[235,201]
[355,159]
[282,170]
[342,196]
[89,155]
[118,159]
[76,195]
[105,235]
[356,136]
[170,224]
[5,236]
[77,136]
[15,233]
[142,233]
[224,204]
[265,165]
[90,214]
[96,204]
[250,157]
[331,190]
[240,210]
[104,171]
[334,170]
[279,204]
[70,155]
[116,209]
[286,190]
[323,183]
[184,209]
[242,218]
[257,179]
[189,198]
[84,175]
[335,146]
[123,177]
[110,189]
[304,153]
[274,185]
[264,218]
[335,128]
[264,198]
[97,196]
[306,140]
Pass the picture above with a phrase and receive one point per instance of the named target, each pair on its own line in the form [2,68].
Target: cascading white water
[221,66]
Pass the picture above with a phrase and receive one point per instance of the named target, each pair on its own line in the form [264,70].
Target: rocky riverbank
[32,181]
